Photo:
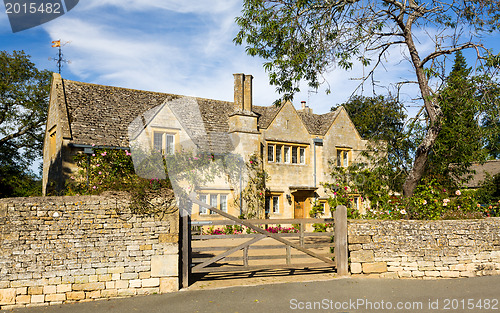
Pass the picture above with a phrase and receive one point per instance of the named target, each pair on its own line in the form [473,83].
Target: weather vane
[59,59]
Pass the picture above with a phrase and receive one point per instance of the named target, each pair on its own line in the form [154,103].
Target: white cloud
[191,6]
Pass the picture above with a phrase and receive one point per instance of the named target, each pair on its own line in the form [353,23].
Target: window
[343,156]
[355,203]
[294,155]
[272,204]
[169,147]
[278,154]
[276,204]
[213,202]
[270,153]
[223,203]
[203,198]
[218,201]
[164,142]
[157,141]
[322,206]
[286,154]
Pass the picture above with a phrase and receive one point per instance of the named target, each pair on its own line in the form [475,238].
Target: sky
[180,47]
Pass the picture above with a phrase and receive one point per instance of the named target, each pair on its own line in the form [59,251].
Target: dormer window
[164,142]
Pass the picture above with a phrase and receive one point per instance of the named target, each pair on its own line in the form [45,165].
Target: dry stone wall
[64,249]
[425,249]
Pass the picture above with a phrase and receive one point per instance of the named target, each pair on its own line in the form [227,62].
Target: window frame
[343,155]
[286,154]
[270,154]
[202,210]
[166,147]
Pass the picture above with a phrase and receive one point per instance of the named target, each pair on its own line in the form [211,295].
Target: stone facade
[65,249]
[424,249]
[296,146]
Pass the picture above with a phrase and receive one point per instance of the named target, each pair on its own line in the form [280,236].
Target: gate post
[341,256]
[186,249]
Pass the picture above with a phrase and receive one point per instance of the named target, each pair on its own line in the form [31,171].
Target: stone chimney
[242,92]
[305,108]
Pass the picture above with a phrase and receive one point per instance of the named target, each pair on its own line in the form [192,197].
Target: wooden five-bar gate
[200,253]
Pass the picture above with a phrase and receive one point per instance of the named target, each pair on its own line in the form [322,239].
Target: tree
[24,94]
[381,120]
[303,39]
[460,142]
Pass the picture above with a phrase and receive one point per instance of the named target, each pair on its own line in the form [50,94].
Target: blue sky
[181,47]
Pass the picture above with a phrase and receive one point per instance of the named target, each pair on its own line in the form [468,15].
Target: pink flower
[94,187]
[458,193]
[251,162]
[100,173]
[93,145]
[93,154]
[98,165]
[127,153]
[104,153]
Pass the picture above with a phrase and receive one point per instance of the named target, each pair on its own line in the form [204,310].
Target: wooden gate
[238,254]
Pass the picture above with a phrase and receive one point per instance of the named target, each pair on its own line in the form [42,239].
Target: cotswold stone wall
[425,249]
[64,249]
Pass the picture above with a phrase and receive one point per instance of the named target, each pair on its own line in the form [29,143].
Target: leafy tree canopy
[24,94]
[301,40]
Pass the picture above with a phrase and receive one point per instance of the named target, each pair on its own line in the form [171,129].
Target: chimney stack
[303,105]
[243,92]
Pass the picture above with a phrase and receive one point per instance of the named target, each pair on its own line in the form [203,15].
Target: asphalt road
[480,294]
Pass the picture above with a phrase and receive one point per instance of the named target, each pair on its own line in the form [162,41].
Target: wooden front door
[299,207]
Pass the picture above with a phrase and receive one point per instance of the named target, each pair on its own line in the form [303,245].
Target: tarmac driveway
[480,294]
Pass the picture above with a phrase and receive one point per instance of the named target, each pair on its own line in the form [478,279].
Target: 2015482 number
[32,8]
[470,304]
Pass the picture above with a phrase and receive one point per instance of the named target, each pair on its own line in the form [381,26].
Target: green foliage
[301,41]
[489,192]
[322,227]
[391,145]
[459,143]
[254,194]
[16,183]
[113,170]
[24,95]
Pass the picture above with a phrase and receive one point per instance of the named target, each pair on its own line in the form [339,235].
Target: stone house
[297,147]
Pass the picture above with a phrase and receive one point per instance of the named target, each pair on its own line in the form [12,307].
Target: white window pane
[267,204]
[287,154]
[302,156]
[223,203]
[294,155]
[278,154]
[270,153]
[203,198]
[346,161]
[157,141]
[276,204]
[169,144]
[213,202]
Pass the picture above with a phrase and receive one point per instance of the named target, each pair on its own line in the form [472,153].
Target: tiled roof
[318,124]
[266,114]
[100,115]
[482,170]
